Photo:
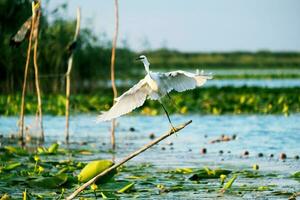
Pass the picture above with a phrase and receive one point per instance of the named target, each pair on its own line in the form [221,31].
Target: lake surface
[239,82]
[254,71]
[267,134]
[268,83]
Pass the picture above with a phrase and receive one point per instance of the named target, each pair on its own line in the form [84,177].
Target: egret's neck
[146,64]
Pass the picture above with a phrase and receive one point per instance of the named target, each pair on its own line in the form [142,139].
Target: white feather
[180,81]
[133,98]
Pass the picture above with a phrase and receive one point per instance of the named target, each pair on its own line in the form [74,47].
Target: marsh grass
[213,100]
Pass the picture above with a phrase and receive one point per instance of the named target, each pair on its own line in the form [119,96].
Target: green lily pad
[16,150]
[126,188]
[93,168]
[11,166]
[251,174]
[230,182]
[184,170]
[264,188]
[207,173]
[49,182]
[296,175]
[53,148]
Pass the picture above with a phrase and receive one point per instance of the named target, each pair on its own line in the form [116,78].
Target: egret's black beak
[138,58]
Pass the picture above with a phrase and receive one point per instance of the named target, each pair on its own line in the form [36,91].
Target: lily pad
[230,182]
[11,166]
[296,175]
[49,182]
[93,168]
[126,188]
[207,173]
[53,148]
[16,150]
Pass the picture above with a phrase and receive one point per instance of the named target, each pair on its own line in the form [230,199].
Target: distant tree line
[92,58]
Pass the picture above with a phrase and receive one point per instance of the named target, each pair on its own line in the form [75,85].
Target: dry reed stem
[115,166]
[21,125]
[68,78]
[112,68]
[36,71]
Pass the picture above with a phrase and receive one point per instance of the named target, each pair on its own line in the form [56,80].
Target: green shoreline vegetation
[211,100]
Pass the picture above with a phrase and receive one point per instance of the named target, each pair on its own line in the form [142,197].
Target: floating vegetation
[93,168]
[229,183]
[55,172]
[213,100]
[207,173]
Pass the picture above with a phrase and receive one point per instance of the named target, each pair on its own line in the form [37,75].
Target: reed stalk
[36,71]
[68,76]
[112,67]
[21,123]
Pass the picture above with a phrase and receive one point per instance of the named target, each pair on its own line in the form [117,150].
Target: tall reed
[68,74]
[112,68]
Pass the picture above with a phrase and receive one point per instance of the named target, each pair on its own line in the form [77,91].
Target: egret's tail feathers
[201,77]
[206,76]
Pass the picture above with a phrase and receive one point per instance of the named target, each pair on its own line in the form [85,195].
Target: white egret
[154,86]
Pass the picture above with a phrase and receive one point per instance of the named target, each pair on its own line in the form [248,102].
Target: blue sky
[195,25]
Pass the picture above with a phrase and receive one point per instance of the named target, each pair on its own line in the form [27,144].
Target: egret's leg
[173,102]
[173,129]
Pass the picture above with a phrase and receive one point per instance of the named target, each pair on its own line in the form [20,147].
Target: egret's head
[144,59]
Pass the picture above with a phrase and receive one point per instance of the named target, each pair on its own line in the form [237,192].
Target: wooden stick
[294,196]
[68,78]
[21,125]
[36,71]
[115,166]
[112,68]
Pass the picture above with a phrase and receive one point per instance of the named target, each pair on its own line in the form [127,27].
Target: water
[254,71]
[239,71]
[268,83]
[257,82]
[267,134]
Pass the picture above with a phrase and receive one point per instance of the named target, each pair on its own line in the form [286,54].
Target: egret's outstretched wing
[181,80]
[133,98]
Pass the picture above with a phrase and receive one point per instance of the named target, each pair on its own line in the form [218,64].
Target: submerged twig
[68,79]
[112,67]
[115,166]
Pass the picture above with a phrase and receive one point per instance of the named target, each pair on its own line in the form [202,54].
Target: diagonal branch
[115,166]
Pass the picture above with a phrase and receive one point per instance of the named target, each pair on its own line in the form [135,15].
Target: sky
[194,25]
